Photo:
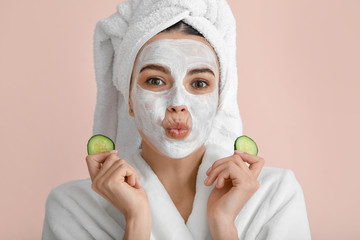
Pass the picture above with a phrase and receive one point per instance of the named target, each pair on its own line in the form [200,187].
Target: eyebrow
[166,71]
[201,70]
[155,67]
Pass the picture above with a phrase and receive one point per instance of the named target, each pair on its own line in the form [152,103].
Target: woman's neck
[174,173]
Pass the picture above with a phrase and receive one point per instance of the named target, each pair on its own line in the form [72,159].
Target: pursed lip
[177,130]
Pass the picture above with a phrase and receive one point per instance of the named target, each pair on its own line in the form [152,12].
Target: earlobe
[131,112]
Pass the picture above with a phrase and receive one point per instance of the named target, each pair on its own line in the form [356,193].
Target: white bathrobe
[276,211]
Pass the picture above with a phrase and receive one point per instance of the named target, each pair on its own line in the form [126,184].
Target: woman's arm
[221,229]
[74,210]
[118,182]
[236,183]
[138,226]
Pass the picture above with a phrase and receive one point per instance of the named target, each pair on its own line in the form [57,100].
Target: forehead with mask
[174,92]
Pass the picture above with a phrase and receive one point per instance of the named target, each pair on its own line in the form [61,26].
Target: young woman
[179,182]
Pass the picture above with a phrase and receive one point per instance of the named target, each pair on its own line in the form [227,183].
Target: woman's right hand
[118,182]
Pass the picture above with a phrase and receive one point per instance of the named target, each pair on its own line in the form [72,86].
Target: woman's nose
[177,109]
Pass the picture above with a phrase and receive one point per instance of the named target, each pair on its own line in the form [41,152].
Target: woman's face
[174,92]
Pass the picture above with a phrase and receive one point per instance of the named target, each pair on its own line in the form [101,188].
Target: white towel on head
[117,40]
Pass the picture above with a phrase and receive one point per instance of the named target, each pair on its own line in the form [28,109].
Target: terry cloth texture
[276,211]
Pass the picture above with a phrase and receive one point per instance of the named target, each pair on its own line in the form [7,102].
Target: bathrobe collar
[167,222]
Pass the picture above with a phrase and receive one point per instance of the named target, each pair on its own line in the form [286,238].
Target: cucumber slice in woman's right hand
[99,143]
[246,144]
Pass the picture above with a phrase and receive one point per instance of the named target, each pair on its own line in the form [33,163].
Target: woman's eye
[155,81]
[199,84]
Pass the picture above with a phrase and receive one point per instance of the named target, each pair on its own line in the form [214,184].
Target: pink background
[299,85]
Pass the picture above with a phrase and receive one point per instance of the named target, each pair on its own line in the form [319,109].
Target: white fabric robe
[276,211]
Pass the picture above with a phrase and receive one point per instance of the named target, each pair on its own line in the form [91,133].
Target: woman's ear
[131,111]
[217,108]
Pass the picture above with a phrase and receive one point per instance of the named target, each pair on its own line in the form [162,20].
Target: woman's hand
[118,182]
[236,183]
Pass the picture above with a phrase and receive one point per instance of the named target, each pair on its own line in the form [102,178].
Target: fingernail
[113,151]
[206,180]
[238,151]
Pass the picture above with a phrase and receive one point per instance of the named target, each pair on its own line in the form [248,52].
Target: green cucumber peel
[246,144]
[99,143]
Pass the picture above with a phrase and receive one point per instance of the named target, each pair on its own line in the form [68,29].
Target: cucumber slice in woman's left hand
[99,143]
[246,144]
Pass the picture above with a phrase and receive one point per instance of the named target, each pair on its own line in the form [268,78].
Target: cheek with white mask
[150,107]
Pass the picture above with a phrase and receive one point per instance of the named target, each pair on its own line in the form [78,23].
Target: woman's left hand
[236,183]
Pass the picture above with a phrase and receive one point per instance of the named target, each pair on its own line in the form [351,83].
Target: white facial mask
[179,55]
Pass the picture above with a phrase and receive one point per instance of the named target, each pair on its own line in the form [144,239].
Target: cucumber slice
[99,143]
[246,144]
